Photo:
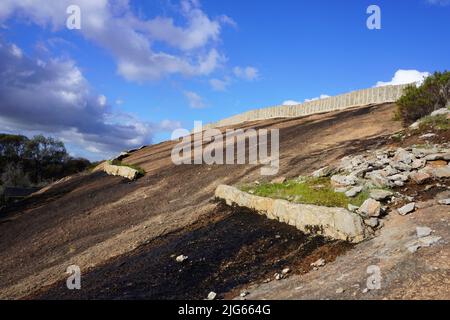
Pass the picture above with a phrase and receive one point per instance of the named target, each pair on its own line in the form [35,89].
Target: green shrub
[417,102]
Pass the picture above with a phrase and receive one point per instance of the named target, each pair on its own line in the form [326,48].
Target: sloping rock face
[336,223]
[113,170]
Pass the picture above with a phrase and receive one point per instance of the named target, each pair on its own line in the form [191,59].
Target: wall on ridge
[340,102]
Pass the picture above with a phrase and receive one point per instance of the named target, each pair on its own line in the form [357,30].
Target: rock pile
[380,170]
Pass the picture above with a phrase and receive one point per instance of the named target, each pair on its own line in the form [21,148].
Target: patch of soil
[232,250]
[420,193]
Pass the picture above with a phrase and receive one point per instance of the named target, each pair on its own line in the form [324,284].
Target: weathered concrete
[336,223]
[114,170]
[356,98]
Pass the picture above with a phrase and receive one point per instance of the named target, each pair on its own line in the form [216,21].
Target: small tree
[417,102]
[13,176]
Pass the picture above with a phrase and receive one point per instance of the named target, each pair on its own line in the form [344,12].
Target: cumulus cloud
[405,77]
[131,39]
[291,103]
[195,100]
[53,97]
[246,73]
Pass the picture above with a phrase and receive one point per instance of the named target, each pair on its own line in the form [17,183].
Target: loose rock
[318,263]
[420,177]
[379,194]
[181,258]
[370,208]
[279,180]
[353,191]
[212,295]
[423,232]
[407,209]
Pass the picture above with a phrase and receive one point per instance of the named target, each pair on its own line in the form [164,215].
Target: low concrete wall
[356,98]
[336,223]
[122,171]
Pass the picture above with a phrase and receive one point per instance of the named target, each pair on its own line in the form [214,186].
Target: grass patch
[308,190]
[440,122]
[140,171]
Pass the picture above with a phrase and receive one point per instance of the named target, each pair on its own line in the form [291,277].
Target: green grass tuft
[440,122]
[317,191]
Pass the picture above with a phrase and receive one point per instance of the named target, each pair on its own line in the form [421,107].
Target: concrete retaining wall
[340,102]
[335,223]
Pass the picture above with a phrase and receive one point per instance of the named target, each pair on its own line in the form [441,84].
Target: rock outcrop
[336,223]
[122,171]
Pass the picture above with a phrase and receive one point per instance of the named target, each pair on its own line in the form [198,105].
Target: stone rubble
[181,258]
[406,209]
[318,263]
[212,295]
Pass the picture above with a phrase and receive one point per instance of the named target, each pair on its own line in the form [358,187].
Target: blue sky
[140,69]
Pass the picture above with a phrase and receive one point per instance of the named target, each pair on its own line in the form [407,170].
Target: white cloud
[291,103]
[131,39]
[195,101]
[220,85]
[119,102]
[405,77]
[246,73]
[229,21]
[16,51]
[102,100]
[53,97]
[322,96]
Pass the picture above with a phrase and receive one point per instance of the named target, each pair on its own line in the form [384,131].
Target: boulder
[377,179]
[437,163]
[422,152]
[438,156]
[340,180]
[336,223]
[370,208]
[403,156]
[444,202]
[423,232]
[442,172]
[418,163]
[279,180]
[441,111]
[122,171]
[420,177]
[399,177]
[322,172]
[354,191]
[379,194]
[372,222]
[407,209]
